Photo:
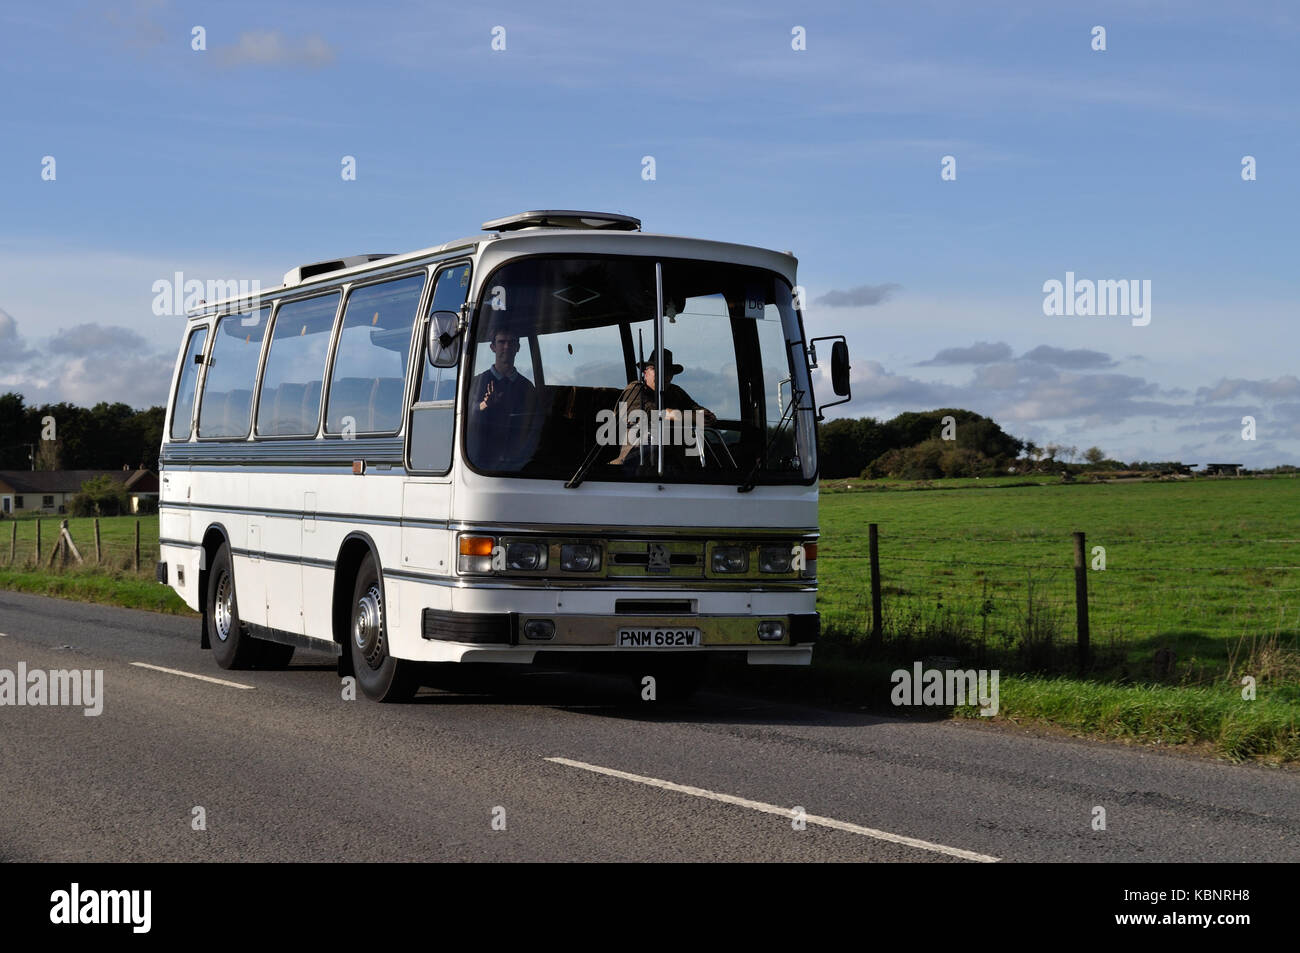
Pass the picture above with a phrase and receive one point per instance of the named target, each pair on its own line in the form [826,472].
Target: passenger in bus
[642,395]
[501,408]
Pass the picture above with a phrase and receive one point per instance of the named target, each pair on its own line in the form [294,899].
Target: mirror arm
[812,354]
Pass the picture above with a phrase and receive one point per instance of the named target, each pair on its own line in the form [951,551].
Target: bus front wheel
[381,677]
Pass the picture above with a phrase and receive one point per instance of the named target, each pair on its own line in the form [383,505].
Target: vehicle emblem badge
[659,561]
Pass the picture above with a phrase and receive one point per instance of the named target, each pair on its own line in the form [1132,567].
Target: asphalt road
[577,768]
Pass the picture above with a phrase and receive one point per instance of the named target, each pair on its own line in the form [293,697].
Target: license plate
[659,638]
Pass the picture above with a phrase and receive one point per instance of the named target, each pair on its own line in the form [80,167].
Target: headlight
[771,631]
[774,558]
[579,557]
[730,559]
[526,557]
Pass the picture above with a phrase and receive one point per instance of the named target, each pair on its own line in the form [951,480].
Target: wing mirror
[839,368]
[443,346]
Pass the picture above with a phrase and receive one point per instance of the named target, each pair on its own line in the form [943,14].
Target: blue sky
[1115,164]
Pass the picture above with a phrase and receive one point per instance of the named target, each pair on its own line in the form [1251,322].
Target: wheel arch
[352,552]
[213,537]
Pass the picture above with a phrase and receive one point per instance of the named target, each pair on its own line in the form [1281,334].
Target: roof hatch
[300,274]
[564,218]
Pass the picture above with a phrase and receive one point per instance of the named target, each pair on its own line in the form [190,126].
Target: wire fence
[1064,600]
[119,543]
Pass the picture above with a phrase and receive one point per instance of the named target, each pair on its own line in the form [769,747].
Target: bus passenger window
[183,405]
[232,370]
[289,404]
[369,376]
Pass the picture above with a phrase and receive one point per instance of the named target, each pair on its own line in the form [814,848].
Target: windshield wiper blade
[581,472]
[796,395]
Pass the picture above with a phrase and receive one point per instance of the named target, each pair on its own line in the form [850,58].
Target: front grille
[643,559]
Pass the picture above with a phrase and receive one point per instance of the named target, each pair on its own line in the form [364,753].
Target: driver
[643,395]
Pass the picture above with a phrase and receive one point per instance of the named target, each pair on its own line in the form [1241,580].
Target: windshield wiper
[787,415]
[581,472]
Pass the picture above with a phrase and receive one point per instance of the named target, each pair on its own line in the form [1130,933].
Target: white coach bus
[460,454]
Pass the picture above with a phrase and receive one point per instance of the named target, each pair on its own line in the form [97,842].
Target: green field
[1201,588]
[1200,568]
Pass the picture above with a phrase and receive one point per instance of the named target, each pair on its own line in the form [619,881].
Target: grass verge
[106,588]
[1264,729]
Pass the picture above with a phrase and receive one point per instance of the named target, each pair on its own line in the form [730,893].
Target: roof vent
[564,218]
[300,274]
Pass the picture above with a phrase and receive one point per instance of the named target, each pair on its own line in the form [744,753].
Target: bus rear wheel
[232,646]
[381,677]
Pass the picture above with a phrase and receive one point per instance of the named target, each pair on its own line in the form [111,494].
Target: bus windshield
[564,374]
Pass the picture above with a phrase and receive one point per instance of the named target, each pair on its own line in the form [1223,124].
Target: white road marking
[782,812]
[202,678]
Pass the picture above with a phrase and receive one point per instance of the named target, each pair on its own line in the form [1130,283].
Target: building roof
[70,481]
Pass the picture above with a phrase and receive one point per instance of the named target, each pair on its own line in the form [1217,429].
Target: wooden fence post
[873,548]
[1081,598]
[59,546]
[66,546]
[137,546]
[99,553]
[13,543]
[38,541]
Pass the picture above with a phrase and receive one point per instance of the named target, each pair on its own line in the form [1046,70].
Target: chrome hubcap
[225,606]
[368,626]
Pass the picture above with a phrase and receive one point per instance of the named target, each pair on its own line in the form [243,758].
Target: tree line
[949,442]
[64,436]
[916,445]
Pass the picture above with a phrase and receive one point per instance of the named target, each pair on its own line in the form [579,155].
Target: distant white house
[50,491]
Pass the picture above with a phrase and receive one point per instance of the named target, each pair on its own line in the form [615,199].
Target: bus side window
[227,401]
[433,418]
[439,383]
[289,404]
[365,392]
[183,405]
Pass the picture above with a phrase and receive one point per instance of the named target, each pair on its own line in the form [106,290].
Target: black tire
[232,646]
[381,677]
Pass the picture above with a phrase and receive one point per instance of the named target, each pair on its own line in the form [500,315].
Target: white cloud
[1130,416]
[85,365]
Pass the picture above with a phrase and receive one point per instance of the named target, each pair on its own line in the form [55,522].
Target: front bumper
[596,631]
